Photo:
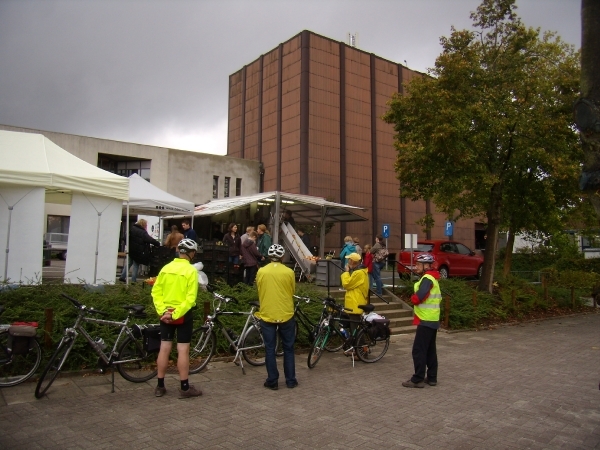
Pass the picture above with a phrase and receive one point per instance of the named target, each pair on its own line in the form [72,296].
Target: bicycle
[17,365]
[362,342]
[335,341]
[249,344]
[133,362]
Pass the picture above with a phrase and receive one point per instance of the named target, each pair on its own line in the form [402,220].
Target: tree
[493,114]
[587,109]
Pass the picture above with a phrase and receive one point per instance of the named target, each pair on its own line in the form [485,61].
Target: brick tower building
[310,110]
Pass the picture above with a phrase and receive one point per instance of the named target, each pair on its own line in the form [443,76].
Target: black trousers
[424,354]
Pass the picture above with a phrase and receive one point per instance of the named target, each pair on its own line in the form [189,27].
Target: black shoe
[272,386]
[122,280]
[430,382]
[410,384]
[292,385]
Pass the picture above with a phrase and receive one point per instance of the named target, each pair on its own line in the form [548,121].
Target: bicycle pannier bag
[379,329]
[151,338]
[20,337]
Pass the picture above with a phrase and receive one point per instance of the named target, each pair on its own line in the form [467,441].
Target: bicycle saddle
[366,308]
[137,309]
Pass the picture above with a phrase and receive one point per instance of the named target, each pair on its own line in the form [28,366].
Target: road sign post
[385,232]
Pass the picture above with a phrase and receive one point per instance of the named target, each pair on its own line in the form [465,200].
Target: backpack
[381,254]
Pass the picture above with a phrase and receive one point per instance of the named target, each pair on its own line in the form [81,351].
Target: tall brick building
[310,110]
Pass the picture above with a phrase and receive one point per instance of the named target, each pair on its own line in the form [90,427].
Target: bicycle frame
[213,321]
[78,329]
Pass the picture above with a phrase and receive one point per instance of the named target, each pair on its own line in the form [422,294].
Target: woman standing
[379,253]
[264,242]
[233,241]
[139,249]
[347,249]
[368,263]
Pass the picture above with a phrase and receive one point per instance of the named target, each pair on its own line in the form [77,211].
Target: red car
[452,259]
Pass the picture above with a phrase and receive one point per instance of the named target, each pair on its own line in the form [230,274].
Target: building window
[226,187]
[238,187]
[215,186]
[58,224]
[125,166]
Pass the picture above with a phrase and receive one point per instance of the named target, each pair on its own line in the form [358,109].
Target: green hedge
[28,303]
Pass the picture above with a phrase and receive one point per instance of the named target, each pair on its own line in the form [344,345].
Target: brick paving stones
[527,386]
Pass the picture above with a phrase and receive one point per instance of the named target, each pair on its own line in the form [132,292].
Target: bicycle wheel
[140,365]
[316,351]
[15,369]
[253,338]
[54,366]
[335,341]
[202,348]
[370,350]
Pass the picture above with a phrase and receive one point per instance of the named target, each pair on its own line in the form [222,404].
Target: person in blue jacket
[347,249]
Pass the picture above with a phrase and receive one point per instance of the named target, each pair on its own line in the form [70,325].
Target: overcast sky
[156,72]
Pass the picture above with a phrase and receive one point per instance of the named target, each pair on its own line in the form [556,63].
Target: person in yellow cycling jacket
[426,301]
[276,287]
[355,280]
[174,294]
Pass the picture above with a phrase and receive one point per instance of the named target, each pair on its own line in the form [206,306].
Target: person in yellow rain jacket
[276,287]
[174,294]
[355,280]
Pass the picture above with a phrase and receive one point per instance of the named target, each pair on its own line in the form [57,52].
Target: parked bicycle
[369,341]
[335,341]
[131,359]
[20,353]
[248,343]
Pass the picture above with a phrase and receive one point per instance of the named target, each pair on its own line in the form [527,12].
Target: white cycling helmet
[276,251]
[426,258]
[187,245]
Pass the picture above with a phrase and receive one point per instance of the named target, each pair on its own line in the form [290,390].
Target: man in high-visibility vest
[427,299]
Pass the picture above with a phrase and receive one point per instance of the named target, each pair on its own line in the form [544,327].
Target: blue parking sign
[449,230]
[386,230]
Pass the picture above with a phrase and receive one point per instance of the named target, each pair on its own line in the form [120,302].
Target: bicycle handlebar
[225,299]
[81,307]
[305,299]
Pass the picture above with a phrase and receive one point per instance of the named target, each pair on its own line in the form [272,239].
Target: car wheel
[443,272]
[480,271]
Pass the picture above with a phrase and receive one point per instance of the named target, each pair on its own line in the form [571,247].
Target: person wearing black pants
[426,301]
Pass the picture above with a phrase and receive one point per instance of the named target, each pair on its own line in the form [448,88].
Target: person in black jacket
[139,249]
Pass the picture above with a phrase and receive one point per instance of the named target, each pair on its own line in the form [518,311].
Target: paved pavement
[528,386]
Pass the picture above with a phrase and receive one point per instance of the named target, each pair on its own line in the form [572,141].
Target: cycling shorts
[183,331]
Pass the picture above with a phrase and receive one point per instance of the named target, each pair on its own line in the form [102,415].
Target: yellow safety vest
[429,310]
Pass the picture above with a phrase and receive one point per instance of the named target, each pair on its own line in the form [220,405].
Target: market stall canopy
[305,208]
[145,198]
[30,159]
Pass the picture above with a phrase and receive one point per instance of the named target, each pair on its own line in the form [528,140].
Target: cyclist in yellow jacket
[355,280]
[426,301]
[276,287]
[174,294]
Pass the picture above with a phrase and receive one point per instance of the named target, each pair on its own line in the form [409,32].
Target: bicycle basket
[379,329]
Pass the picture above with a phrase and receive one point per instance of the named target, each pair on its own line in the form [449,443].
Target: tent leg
[10,210]
[127,247]
[97,243]
[322,236]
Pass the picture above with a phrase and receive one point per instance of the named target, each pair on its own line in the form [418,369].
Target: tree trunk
[510,243]
[491,244]
[587,110]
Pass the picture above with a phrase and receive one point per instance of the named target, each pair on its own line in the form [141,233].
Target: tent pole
[276,220]
[10,210]
[322,237]
[97,241]
[127,247]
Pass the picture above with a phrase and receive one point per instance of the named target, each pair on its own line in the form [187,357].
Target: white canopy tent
[35,171]
[145,198]
[305,208]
